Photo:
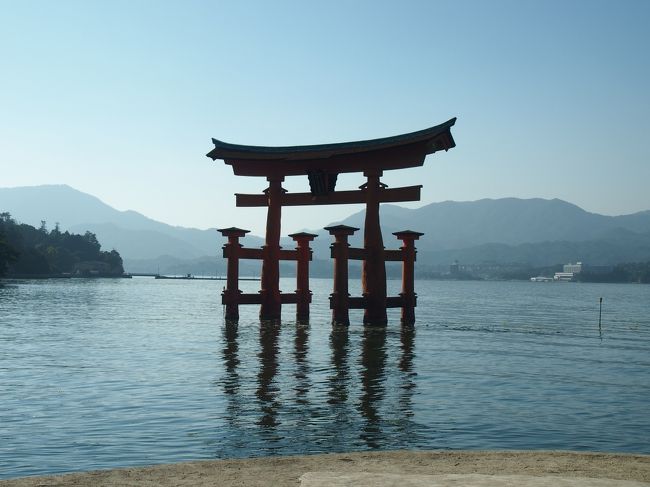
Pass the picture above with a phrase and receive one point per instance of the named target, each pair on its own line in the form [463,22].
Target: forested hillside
[29,251]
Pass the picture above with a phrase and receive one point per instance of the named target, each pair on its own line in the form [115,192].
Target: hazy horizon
[121,100]
[352,208]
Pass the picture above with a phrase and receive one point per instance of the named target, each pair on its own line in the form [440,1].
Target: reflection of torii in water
[322,164]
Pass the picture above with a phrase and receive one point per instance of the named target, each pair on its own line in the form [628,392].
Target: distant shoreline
[127,275]
[21,277]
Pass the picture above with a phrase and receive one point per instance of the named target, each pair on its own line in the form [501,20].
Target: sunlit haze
[121,99]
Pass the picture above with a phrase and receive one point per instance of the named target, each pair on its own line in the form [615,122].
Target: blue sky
[120,99]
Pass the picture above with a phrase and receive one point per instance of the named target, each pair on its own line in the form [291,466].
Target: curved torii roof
[397,152]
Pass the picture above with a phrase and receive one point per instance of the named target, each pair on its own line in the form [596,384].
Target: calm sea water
[106,373]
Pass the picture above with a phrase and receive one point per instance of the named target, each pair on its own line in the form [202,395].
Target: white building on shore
[573,268]
[569,272]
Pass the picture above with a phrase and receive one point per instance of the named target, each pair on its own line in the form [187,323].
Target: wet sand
[287,471]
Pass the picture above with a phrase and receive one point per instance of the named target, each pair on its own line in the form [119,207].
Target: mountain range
[529,231]
[511,221]
[134,235]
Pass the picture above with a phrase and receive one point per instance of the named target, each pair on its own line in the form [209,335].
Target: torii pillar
[232,250]
[408,238]
[271,300]
[303,294]
[339,299]
[373,271]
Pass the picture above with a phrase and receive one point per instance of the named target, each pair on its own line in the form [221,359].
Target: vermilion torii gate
[322,164]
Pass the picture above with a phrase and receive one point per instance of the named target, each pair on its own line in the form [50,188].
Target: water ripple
[105,373]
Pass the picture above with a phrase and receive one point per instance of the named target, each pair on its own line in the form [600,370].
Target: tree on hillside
[8,254]
[114,259]
[39,251]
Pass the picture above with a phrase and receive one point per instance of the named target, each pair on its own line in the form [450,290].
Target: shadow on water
[358,411]
[301,375]
[373,362]
[338,380]
[231,381]
[230,357]
[267,390]
[407,339]
[407,387]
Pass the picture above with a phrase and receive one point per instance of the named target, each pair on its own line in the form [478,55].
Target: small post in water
[600,312]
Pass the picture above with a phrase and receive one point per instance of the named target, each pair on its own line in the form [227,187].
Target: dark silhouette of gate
[322,164]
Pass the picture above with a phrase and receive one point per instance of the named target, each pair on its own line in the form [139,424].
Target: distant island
[26,251]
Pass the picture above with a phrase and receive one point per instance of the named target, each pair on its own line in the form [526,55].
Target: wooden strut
[233,251]
[341,301]
[386,195]
[231,296]
[408,295]
[373,301]
[303,254]
[340,297]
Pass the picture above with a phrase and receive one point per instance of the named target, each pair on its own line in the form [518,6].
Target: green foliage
[29,251]
[8,254]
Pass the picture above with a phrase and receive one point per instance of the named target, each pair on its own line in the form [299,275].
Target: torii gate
[322,164]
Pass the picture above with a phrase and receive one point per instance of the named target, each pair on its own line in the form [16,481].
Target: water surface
[107,373]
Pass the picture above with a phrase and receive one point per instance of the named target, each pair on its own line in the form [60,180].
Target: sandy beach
[376,468]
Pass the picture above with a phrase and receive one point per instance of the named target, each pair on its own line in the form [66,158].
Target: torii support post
[373,274]
[408,295]
[303,294]
[271,300]
[231,250]
[339,299]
